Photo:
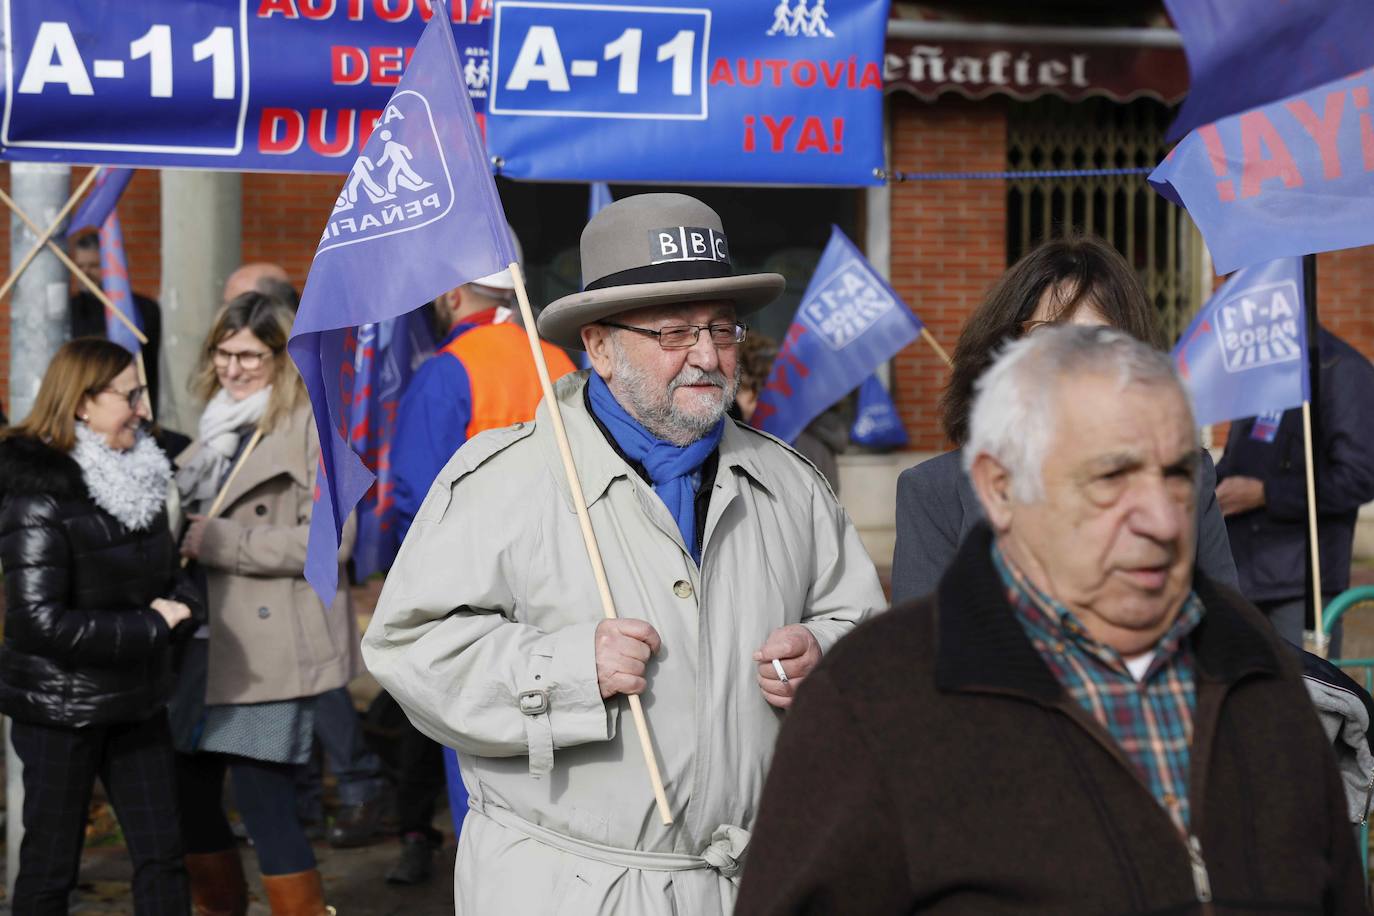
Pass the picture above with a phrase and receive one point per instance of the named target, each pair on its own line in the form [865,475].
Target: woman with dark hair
[93,598]
[245,699]
[1078,280]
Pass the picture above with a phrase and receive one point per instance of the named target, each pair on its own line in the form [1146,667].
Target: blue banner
[417,215]
[876,421]
[689,91]
[1289,178]
[273,85]
[676,91]
[1246,351]
[384,356]
[849,322]
[1247,53]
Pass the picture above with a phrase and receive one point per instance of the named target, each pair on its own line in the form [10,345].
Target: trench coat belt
[725,853]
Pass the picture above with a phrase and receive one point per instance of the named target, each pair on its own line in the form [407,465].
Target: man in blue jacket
[1262,489]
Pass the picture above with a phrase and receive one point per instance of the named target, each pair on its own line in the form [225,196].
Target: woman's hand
[190,543]
[174,612]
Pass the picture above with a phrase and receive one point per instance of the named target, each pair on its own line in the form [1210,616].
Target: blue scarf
[670,467]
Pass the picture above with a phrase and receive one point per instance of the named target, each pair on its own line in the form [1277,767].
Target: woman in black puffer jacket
[93,598]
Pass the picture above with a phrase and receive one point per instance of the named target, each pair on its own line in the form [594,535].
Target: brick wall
[948,238]
[948,242]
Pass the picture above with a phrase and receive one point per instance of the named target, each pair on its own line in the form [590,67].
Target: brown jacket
[934,764]
[271,638]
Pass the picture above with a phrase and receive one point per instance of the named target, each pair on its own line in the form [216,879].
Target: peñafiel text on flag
[849,322]
[417,214]
[1246,351]
[1246,53]
[1289,178]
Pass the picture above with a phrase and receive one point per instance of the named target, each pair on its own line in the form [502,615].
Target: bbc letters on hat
[653,249]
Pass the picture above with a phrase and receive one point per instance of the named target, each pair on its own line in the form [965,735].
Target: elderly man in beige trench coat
[489,630]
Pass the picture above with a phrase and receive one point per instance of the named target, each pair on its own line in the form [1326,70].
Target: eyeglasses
[1035,324]
[134,395]
[683,336]
[249,360]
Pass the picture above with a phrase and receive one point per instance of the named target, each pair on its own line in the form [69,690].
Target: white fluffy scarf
[132,485]
[219,437]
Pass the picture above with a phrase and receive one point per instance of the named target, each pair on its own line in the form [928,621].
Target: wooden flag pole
[1320,631]
[1313,361]
[218,502]
[90,285]
[560,433]
[46,237]
[935,345]
[68,263]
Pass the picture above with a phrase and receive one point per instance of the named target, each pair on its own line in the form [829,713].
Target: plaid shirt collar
[1051,618]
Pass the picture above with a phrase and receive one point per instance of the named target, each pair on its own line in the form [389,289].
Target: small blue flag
[876,421]
[114,280]
[417,215]
[1289,178]
[600,198]
[1246,351]
[384,357]
[108,187]
[849,322]
[1247,53]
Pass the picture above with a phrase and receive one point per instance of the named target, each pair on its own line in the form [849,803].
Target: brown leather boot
[217,884]
[298,894]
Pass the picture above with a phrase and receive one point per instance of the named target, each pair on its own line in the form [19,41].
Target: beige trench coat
[492,598]
[271,638]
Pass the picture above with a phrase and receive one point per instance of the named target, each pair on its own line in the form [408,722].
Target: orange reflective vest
[501,374]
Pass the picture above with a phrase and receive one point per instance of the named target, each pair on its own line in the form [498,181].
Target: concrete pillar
[38,302]
[202,242]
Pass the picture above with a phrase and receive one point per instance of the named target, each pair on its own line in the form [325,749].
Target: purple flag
[114,279]
[1246,351]
[1289,178]
[876,421]
[849,322]
[100,203]
[1246,53]
[417,215]
[384,357]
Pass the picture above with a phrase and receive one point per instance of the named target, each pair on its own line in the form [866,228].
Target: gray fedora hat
[653,249]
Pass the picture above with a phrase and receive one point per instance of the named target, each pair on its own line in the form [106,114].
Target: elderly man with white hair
[1075,722]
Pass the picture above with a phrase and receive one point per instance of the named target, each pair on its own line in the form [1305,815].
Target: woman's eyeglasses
[249,360]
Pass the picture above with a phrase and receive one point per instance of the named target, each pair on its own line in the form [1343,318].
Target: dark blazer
[82,644]
[932,763]
[937,508]
[1270,543]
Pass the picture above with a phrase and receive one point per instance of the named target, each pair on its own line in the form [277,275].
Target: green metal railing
[1343,602]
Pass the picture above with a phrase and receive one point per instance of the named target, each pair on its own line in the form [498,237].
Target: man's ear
[992,482]
[596,340]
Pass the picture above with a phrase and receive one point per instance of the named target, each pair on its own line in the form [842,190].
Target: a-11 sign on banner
[273,85]
[758,91]
[752,91]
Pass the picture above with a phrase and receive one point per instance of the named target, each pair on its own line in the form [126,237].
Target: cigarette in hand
[782,675]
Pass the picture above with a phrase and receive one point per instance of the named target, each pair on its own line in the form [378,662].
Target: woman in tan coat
[245,701]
